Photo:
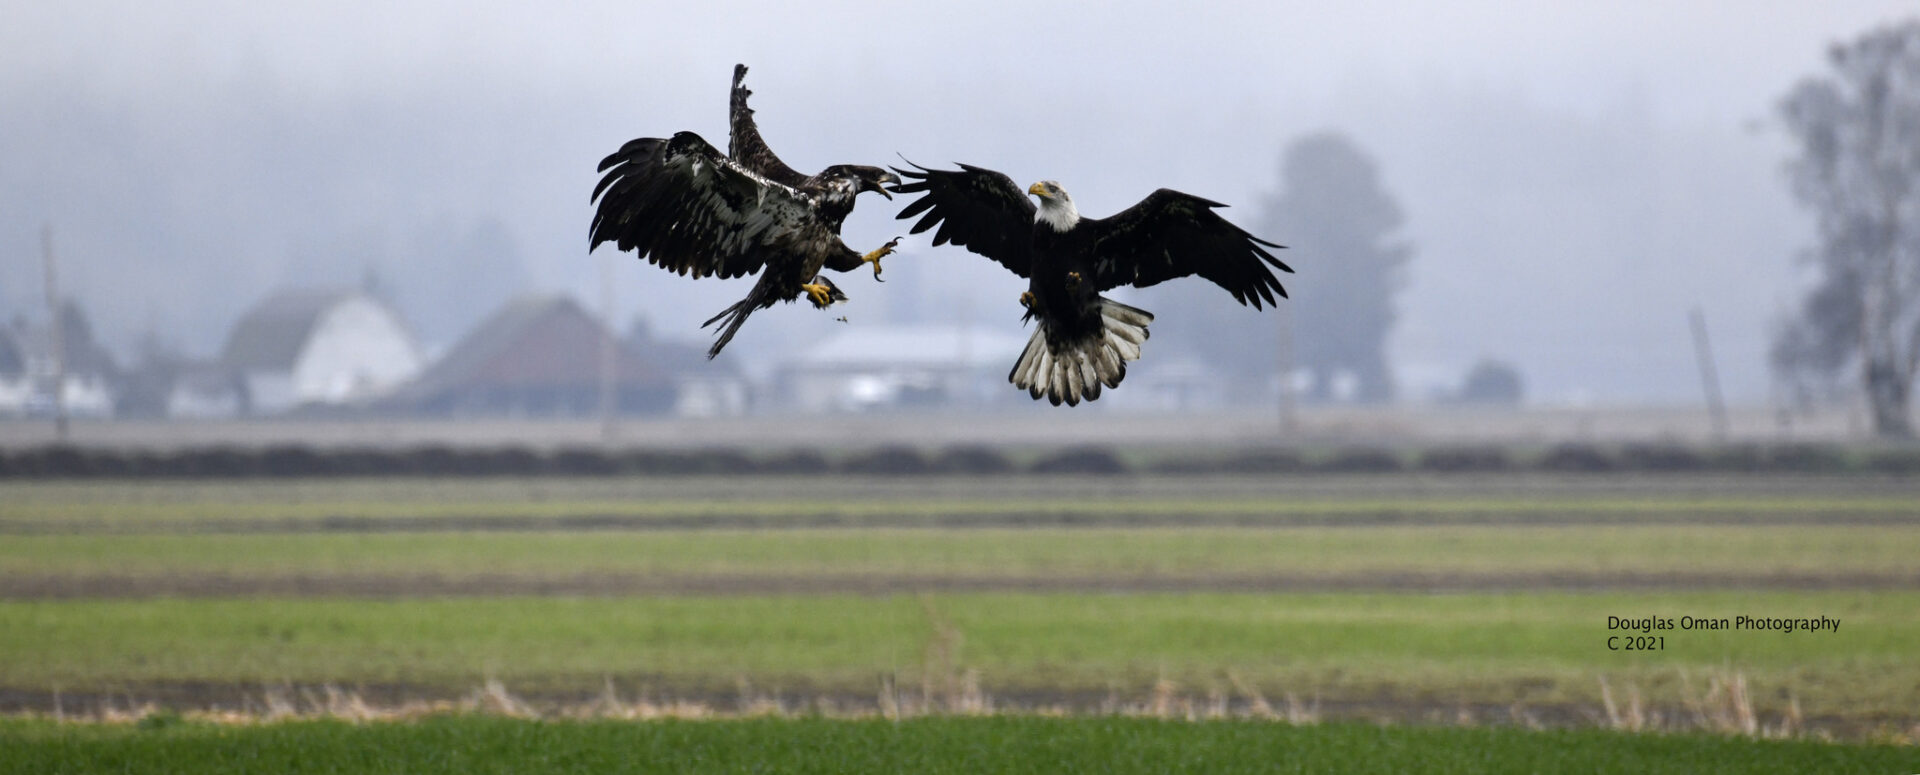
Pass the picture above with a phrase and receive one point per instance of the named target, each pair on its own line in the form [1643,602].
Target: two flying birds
[682,205]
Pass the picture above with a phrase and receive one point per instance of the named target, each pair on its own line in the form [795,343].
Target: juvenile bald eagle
[1084,340]
[684,207]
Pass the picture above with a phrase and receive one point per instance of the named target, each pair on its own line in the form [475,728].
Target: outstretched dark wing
[1170,234]
[744,144]
[683,206]
[977,209]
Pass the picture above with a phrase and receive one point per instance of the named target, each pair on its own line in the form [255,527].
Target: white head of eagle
[1056,208]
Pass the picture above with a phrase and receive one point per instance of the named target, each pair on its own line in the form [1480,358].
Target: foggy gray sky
[1574,179]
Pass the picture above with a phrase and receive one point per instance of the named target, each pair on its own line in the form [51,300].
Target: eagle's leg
[820,294]
[1027,299]
[1073,281]
[882,252]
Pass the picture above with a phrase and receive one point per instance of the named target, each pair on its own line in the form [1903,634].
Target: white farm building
[901,367]
[319,347]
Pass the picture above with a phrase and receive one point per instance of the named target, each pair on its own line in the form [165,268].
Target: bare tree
[1858,169]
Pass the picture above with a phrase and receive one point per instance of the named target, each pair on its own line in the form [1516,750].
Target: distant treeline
[59,461]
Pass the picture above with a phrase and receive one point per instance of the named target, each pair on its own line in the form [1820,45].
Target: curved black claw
[882,252]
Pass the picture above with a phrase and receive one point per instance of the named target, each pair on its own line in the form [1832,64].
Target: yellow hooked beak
[1037,189]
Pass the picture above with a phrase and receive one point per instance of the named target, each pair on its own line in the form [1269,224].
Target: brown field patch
[648,697]
[213,585]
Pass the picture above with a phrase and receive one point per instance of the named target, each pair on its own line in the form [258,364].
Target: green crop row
[473,745]
[469,745]
[1442,649]
[1811,550]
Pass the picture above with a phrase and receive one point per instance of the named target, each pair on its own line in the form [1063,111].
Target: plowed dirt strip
[646,698]
[200,585]
[1182,516]
[379,505]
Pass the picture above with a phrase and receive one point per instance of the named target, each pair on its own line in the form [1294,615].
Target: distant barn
[538,357]
[314,346]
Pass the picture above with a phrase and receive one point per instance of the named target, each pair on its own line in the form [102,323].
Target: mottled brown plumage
[683,206]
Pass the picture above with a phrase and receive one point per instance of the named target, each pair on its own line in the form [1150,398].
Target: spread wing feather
[978,209]
[1170,234]
[744,143]
[683,206]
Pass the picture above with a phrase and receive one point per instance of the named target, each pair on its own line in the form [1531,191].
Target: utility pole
[57,343]
[965,394]
[1284,357]
[1709,376]
[608,342]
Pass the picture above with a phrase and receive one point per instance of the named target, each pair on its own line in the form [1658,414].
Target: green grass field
[992,552]
[773,501]
[1479,599]
[1544,650]
[469,745]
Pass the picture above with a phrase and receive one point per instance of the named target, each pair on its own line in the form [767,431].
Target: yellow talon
[882,252]
[1073,281]
[818,294]
[1026,299]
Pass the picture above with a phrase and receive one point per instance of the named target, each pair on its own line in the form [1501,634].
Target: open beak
[880,185]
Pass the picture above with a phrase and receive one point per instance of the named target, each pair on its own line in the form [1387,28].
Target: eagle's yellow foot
[819,294]
[882,252]
[1073,281]
[1026,299]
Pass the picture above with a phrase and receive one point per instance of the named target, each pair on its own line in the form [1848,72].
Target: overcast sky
[1575,178]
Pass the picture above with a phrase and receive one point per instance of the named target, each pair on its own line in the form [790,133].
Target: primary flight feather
[1083,340]
[683,206]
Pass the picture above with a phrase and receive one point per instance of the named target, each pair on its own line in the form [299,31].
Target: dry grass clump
[1722,706]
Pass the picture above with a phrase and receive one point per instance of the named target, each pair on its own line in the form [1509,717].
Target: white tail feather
[1078,371]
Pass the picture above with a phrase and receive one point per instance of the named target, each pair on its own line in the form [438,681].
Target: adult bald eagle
[1084,340]
[681,205]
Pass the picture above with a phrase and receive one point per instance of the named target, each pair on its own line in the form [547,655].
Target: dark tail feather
[734,315]
[1077,372]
